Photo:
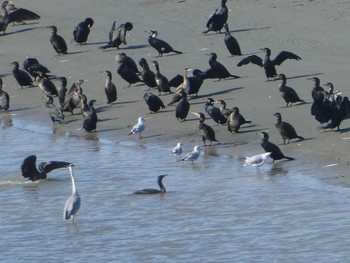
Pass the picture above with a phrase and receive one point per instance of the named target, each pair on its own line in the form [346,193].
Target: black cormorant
[84,106]
[216,70]
[276,153]
[153,101]
[89,123]
[205,130]
[235,120]
[82,31]
[224,111]
[110,89]
[62,89]
[72,99]
[217,20]
[288,93]
[128,73]
[267,63]
[4,98]
[214,112]
[16,15]
[196,81]
[286,130]
[161,80]
[147,75]
[46,85]
[58,42]
[55,111]
[21,76]
[30,171]
[231,43]
[160,45]
[127,61]
[34,68]
[182,108]
[316,88]
[117,35]
[154,191]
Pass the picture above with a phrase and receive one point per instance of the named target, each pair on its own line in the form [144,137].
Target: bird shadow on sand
[220,92]
[22,30]
[237,31]
[24,109]
[152,136]
[129,101]
[124,48]
[107,119]
[305,75]
[296,105]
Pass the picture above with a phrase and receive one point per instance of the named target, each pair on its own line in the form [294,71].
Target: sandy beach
[315,30]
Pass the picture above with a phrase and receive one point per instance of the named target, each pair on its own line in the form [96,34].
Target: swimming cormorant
[154,191]
[286,130]
[205,130]
[73,203]
[267,63]
[216,70]
[34,68]
[153,101]
[90,122]
[194,155]
[214,112]
[46,85]
[160,45]
[182,108]
[21,76]
[139,127]
[161,80]
[148,75]
[235,120]
[82,31]
[58,42]
[117,35]
[30,171]
[4,98]
[217,20]
[231,42]
[17,15]
[55,111]
[110,89]
[276,153]
[288,94]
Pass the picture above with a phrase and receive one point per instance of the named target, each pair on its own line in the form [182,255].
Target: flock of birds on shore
[328,107]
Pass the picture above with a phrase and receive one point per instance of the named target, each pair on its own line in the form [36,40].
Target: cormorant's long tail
[289,158]
[177,52]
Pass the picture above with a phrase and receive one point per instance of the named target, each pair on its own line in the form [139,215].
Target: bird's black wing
[284,55]
[29,166]
[212,18]
[176,81]
[21,14]
[50,166]
[251,59]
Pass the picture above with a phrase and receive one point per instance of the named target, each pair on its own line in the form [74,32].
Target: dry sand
[315,30]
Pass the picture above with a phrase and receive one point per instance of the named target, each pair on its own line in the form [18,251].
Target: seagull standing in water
[194,155]
[256,160]
[178,150]
[139,127]
[73,203]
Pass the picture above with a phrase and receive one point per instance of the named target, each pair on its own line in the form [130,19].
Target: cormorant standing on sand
[58,42]
[34,68]
[17,15]
[316,88]
[55,111]
[205,130]
[117,35]
[286,130]
[161,80]
[153,101]
[267,63]
[288,93]
[214,112]
[224,111]
[235,120]
[82,30]
[46,85]
[276,153]
[217,20]
[182,108]
[217,70]
[30,171]
[160,45]
[196,81]
[110,89]
[22,77]
[148,75]
[4,98]
[128,73]
[231,42]
[89,123]
[62,89]
[154,191]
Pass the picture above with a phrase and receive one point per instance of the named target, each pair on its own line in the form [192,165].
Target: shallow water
[215,210]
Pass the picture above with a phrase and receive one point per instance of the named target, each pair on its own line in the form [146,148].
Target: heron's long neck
[74,189]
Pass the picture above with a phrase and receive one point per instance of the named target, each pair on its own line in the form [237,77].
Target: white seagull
[256,160]
[139,127]
[178,150]
[194,155]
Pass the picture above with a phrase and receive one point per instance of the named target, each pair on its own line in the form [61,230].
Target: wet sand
[312,29]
